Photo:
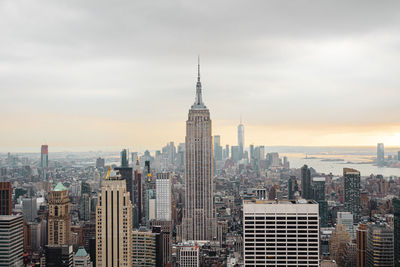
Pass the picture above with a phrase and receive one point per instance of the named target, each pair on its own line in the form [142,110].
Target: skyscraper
[352,192]
[396,208]
[114,224]
[379,245]
[59,222]
[163,197]
[44,160]
[280,233]
[5,198]
[306,188]
[361,242]
[380,154]
[124,158]
[11,240]
[198,218]
[241,139]
[217,147]
[319,196]
[59,256]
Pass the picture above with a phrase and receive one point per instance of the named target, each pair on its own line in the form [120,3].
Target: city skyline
[78,86]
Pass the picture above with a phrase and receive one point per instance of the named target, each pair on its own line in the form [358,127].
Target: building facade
[281,233]
[379,245]
[114,224]
[5,198]
[198,217]
[59,221]
[163,196]
[352,192]
[11,241]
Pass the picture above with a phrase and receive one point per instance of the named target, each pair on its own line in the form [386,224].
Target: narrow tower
[198,218]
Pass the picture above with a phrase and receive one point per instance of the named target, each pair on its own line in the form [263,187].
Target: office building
[217,148]
[292,187]
[235,153]
[84,207]
[306,187]
[59,222]
[163,196]
[146,248]
[380,154]
[29,209]
[5,198]
[396,209]
[380,245]
[100,163]
[361,243]
[59,256]
[124,158]
[241,139]
[319,196]
[198,217]
[82,258]
[44,157]
[281,233]
[337,243]
[189,256]
[352,192]
[114,224]
[166,228]
[346,218]
[11,240]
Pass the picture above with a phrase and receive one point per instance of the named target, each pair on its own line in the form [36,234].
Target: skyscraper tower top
[198,104]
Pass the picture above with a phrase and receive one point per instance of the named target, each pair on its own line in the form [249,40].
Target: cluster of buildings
[195,204]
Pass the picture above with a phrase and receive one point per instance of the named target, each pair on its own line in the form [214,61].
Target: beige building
[199,221]
[59,222]
[114,224]
[337,243]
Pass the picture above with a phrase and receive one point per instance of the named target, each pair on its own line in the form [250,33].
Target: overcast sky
[109,74]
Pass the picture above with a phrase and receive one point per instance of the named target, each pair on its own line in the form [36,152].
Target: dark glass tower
[352,192]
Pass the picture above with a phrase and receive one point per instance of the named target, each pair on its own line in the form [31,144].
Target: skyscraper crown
[198,104]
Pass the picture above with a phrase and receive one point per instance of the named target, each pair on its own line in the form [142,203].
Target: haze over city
[83,75]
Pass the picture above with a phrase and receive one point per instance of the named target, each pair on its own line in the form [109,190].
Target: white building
[11,240]
[189,256]
[346,218]
[163,196]
[281,233]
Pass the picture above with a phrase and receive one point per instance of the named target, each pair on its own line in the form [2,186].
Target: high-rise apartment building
[163,196]
[379,245]
[281,233]
[5,198]
[44,157]
[361,245]
[306,187]
[380,154]
[319,196]
[241,139]
[114,224]
[59,221]
[11,240]
[199,221]
[396,231]
[352,192]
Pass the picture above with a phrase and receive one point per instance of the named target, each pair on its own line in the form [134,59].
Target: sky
[104,75]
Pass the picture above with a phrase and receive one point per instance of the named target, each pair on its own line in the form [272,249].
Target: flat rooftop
[283,201]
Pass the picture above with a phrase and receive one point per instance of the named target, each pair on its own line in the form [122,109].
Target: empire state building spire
[199,100]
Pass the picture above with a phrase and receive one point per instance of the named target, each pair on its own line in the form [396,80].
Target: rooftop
[59,187]
[81,252]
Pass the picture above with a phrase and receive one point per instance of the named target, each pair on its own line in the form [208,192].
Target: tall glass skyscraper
[241,139]
[198,217]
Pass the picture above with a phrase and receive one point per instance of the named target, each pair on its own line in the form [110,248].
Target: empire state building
[198,218]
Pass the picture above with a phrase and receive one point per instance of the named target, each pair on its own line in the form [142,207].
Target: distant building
[319,196]
[217,148]
[5,198]
[59,256]
[124,158]
[346,218]
[235,155]
[380,154]
[306,187]
[241,139]
[100,163]
[352,192]
[292,187]
[289,230]
[163,196]
[44,160]
[59,221]
[29,209]
[337,243]
[84,207]
[11,240]
[379,245]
